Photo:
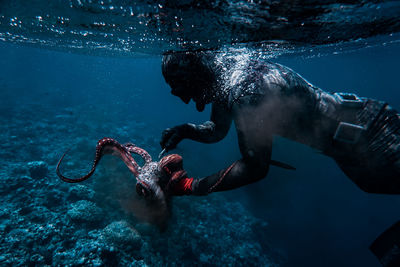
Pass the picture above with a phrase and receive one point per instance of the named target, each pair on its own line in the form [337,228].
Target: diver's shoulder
[292,77]
[282,68]
[268,66]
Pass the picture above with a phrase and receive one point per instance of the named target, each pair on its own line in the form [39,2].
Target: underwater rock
[25,180]
[122,234]
[54,199]
[37,259]
[37,169]
[212,232]
[85,211]
[93,249]
[12,183]
[80,192]
[38,214]
[86,252]
[139,263]
[17,170]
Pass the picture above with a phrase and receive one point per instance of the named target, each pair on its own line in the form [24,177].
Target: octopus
[152,179]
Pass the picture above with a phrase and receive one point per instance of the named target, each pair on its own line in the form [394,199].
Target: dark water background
[316,215]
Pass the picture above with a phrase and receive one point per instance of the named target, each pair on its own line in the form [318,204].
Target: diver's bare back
[271,99]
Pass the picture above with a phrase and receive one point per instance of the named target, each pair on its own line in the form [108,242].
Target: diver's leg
[387,246]
[374,164]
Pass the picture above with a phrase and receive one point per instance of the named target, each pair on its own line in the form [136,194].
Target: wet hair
[192,66]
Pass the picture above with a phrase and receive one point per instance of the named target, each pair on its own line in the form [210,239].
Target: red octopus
[151,178]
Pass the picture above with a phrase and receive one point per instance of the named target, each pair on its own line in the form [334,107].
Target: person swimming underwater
[265,99]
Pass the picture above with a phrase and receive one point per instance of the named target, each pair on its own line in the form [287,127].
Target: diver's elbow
[219,136]
[261,173]
[258,170]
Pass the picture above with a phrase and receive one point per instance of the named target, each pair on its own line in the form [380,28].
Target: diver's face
[186,90]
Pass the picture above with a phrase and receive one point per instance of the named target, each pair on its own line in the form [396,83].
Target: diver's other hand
[176,181]
[171,137]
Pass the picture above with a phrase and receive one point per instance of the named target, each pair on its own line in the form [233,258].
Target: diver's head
[190,76]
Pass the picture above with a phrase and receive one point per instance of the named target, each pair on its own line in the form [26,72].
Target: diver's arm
[239,174]
[213,130]
[210,131]
[252,167]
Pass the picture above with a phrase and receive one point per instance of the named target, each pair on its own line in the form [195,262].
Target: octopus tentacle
[140,151]
[104,146]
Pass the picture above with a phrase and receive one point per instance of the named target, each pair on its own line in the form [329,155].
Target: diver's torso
[275,100]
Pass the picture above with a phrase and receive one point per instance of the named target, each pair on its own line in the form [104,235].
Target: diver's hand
[171,137]
[174,177]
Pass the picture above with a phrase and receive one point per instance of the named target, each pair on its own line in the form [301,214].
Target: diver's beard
[200,106]
[202,101]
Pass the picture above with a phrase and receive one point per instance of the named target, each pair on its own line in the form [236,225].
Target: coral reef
[84,211]
[37,169]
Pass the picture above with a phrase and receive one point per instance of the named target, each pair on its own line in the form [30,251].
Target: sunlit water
[117,27]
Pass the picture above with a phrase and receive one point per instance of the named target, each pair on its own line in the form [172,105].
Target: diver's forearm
[238,174]
[204,133]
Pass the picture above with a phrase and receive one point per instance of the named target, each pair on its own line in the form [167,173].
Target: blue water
[316,216]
